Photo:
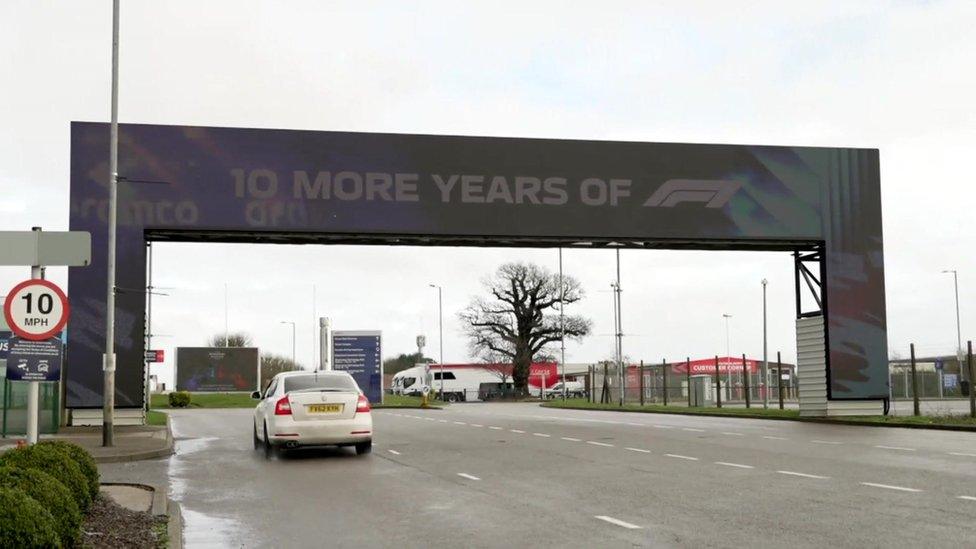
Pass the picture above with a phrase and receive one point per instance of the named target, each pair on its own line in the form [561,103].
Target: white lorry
[461,382]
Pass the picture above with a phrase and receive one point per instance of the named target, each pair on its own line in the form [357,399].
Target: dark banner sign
[216,369]
[248,185]
[29,360]
[360,354]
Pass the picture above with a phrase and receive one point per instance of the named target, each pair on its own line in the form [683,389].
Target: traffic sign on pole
[36,309]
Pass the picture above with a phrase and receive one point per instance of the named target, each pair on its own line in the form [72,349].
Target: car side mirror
[256,395]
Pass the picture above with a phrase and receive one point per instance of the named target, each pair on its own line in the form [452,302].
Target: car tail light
[283,406]
[362,405]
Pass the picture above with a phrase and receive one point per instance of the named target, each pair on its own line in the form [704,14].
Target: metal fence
[13,408]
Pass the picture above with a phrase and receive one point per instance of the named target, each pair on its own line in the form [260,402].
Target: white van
[460,382]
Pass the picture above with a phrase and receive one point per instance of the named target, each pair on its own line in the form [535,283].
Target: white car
[323,408]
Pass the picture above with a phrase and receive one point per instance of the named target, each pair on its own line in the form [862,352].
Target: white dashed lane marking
[824,441]
[901,448]
[679,456]
[595,443]
[477,425]
[541,435]
[890,487]
[516,431]
[618,522]
[732,434]
[571,439]
[494,428]
[693,430]
[739,465]
[967,498]
[663,426]
[467,476]
[774,438]
[394,452]
[962,454]
[641,450]
[460,423]
[804,475]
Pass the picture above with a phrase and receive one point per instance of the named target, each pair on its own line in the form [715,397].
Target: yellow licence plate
[325,408]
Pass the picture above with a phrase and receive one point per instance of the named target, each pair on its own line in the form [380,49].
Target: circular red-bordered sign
[27,312]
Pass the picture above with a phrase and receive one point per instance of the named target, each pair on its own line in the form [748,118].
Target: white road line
[394,452]
[679,456]
[963,454]
[890,487]
[495,428]
[775,438]
[595,443]
[618,522]
[460,423]
[467,476]
[442,420]
[739,465]
[571,439]
[663,426]
[541,435]
[636,424]
[477,425]
[967,498]
[824,441]
[902,448]
[516,431]
[641,450]
[732,434]
[429,418]
[693,430]
[804,475]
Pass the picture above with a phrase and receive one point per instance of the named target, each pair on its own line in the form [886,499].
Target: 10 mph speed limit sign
[36,309]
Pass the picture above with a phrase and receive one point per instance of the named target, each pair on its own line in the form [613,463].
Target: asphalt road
[516,475]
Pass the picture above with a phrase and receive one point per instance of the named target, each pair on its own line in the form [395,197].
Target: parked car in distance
[321,408]
[574,389]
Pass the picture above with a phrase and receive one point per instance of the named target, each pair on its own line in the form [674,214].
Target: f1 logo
[715,193]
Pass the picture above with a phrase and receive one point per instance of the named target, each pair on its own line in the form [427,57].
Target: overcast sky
[897,76]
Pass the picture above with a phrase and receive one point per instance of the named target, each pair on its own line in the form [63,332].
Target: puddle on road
[192,445]
[202,530]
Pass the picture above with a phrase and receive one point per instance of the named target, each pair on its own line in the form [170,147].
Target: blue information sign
[29,360]
[360,354]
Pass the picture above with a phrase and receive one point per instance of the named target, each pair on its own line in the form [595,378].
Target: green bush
[52,495]
[54,462]
[179,399]
[84,460]
[24,522]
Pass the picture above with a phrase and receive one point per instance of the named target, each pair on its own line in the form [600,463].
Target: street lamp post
[955,280]
[765,366]
[293,363]
[440,327]
[108,359]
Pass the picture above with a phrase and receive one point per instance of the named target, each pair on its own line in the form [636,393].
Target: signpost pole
[688,378]
[718,385]
[33,387]
[779,379]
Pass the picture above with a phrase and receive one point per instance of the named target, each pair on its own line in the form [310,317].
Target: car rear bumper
[285,430]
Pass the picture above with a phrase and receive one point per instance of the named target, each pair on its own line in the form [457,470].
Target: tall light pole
[108,359]
[620,333]
[765,368]
[562,324]
[440,327]
[955,280]
[728,360]
[293,363]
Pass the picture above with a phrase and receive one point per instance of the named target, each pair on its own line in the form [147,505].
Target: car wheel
[364,448]
[452,397]
[269,449]
[257,441]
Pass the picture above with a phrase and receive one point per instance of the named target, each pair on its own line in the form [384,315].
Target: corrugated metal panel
[811,366]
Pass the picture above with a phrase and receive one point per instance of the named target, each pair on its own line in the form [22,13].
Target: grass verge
[154,417]
[403,401]
[934,422]
[208,400]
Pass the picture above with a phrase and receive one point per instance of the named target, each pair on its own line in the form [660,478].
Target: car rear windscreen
[313,382]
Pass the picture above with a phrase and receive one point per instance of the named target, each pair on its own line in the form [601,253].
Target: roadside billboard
[217,369]
[360,353]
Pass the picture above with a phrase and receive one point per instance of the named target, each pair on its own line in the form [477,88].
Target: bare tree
[520,318]
[236,339]
[495,363]
[272,365]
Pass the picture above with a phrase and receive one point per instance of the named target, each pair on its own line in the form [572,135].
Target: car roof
[311,372]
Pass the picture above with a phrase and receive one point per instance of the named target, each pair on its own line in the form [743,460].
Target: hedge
[54,462]
[84,460]
[24,522]
[179,399]
[52,495]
